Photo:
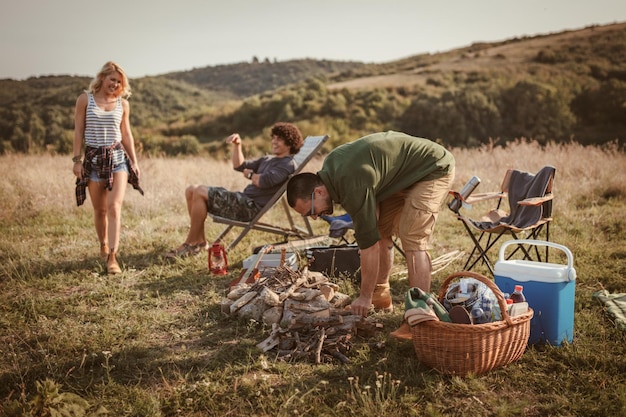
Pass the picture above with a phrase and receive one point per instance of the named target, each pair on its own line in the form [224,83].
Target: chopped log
[327,291]
[271,341]
[301,280]
[315,279]
[339,356]
[340,300]
[308,307]
[238,291]
[270,297]
[242,301]
[308,293]
[253,310]
[225,305]
[272,315]
[298,296]
[320,345]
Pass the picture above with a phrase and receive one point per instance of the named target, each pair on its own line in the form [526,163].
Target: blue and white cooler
[549,290]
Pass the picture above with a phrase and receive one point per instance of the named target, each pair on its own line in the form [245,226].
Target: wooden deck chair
[530,213]
[312,144]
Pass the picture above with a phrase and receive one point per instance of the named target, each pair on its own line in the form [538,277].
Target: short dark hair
[290,134]
[301,186]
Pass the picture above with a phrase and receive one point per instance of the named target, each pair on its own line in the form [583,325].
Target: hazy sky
[152,37]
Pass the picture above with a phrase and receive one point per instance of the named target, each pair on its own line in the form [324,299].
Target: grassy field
[153,342]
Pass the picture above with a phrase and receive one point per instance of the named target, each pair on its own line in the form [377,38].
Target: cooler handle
[571,272]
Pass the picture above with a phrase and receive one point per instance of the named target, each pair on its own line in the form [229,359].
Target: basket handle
[489,283]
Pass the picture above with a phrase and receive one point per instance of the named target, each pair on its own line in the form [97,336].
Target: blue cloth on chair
[339,225]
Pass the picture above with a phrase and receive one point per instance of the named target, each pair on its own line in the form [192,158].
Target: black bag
[335,261]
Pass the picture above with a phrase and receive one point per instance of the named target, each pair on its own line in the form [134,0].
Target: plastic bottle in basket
[478,315]
[518,295]
[488,309]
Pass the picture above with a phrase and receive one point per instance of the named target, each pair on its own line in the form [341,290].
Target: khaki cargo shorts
[411,214]
[230,204]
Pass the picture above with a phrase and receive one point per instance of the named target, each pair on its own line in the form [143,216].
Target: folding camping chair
[312,144]
[530,210]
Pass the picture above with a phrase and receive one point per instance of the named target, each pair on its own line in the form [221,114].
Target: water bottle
[518,295]
[478,315]
[467,189]
[487,305]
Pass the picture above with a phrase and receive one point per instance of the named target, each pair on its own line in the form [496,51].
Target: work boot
[381,299]
[404,332]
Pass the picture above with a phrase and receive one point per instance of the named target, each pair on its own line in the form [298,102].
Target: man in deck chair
[266,174]
[389,183]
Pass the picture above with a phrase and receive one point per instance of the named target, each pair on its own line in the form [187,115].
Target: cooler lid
[523,271]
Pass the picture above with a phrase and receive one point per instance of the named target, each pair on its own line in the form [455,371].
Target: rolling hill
[555,87]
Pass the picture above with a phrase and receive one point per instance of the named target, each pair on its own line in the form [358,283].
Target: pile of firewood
[307,314]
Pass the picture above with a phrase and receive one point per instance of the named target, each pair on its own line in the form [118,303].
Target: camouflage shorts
[232,205]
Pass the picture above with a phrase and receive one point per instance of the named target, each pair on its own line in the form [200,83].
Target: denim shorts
[123,167]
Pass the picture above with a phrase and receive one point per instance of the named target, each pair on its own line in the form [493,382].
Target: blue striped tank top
[102,128]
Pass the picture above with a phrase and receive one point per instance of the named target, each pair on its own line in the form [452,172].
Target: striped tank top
[102,128]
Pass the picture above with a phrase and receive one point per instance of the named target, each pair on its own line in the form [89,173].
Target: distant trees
[535,110]
[463,118]
[465,114]
[24,130]
[605,104]
[565,91]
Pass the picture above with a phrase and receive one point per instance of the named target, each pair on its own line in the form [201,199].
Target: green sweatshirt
[361,173]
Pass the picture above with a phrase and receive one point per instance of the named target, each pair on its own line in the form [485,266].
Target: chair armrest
[475,198]
[535,201]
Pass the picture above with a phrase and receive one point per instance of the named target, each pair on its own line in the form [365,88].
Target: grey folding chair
[529,214]
[311,146]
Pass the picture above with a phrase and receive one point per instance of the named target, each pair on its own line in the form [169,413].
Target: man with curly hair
[266,175]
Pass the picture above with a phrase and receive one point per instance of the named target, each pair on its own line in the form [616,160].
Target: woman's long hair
[107,69]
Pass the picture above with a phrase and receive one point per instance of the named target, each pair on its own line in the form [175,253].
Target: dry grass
[152,342]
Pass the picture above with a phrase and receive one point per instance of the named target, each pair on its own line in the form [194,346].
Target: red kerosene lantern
[218,262]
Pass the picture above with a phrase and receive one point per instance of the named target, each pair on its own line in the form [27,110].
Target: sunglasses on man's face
[312,213]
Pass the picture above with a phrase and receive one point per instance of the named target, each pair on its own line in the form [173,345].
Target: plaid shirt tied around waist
[104,168]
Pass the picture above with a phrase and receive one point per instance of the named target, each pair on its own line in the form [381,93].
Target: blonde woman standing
[101,121]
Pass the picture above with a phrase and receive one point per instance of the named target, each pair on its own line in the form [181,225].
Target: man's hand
[235,139]
[361,306]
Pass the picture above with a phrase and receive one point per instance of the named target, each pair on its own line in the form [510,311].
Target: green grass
[153,341]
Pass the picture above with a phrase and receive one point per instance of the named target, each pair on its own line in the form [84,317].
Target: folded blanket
[615,305]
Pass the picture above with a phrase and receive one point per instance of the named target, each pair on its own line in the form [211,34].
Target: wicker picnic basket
[460,349]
